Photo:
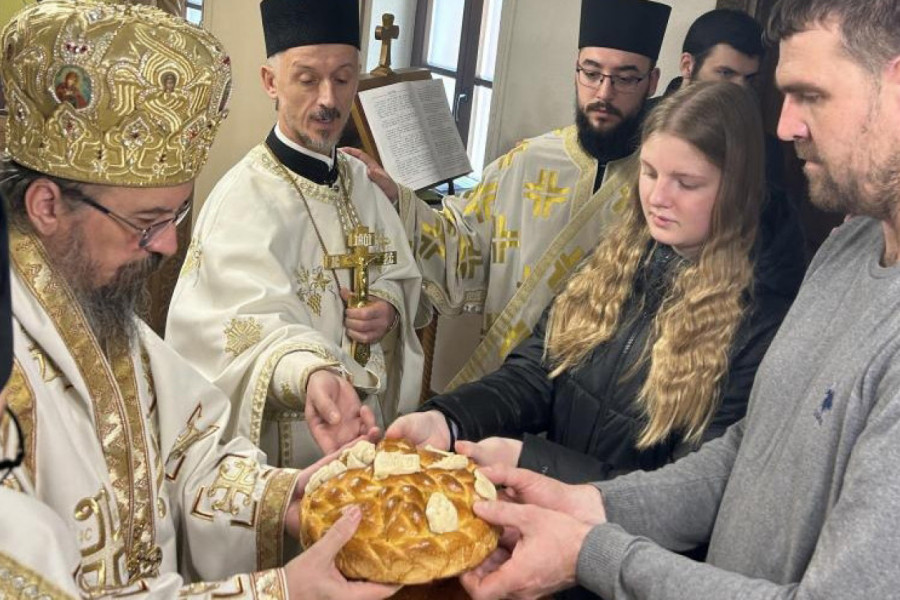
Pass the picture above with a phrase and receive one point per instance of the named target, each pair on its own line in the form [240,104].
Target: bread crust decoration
[395,542]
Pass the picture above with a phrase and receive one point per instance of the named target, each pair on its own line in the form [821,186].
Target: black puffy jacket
[589,413]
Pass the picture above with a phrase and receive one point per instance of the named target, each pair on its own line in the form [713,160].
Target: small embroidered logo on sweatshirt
[827,404]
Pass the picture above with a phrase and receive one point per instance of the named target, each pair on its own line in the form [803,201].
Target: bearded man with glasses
[505,248]
[118,478]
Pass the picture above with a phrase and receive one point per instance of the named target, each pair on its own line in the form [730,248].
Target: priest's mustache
[601,105]
[327,114]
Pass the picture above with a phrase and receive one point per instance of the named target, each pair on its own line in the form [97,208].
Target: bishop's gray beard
[110,308]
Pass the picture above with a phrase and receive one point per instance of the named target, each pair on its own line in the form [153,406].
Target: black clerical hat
[292,23]
[5,310]
[632,25]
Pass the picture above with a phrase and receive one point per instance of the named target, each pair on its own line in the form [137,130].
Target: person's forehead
[322,56]
[814,56]
[140,200]
[725,54]
[613,58]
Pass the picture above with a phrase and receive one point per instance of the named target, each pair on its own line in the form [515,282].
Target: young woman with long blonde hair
[652,346]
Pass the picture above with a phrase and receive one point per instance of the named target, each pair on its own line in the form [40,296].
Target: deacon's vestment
[506,248]
[256,310]
[126,466]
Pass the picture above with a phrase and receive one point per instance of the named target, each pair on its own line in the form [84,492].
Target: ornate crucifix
[358,260]
[385,33]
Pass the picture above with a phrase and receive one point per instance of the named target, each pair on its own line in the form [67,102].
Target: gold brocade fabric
[112,94]
[117,415]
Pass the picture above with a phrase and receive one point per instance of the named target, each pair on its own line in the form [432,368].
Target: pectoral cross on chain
[358,260]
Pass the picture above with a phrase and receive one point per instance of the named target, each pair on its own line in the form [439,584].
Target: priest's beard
[608,145]
[322,145]
[109,308]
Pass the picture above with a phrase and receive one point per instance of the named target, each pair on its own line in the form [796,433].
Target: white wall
[535,87]
[404,12]
[237,23]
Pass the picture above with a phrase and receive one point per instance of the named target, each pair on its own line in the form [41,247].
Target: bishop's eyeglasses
[621,83]
[148,234]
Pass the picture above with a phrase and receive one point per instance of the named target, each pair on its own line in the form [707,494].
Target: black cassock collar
[305,166]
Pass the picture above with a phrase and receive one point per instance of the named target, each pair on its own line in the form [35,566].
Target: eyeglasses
[148,234]
[8,464]
[620,83]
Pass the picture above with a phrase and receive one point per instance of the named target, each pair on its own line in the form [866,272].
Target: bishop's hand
[378,175]
[313,573]
[334,413]
[292,518]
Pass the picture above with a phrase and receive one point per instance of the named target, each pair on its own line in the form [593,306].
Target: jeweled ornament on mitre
[112,94]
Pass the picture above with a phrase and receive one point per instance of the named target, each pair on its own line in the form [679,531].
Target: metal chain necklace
[348,219]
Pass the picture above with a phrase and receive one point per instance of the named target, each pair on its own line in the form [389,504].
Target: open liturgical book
[415,134]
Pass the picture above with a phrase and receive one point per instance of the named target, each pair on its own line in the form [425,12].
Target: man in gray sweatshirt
[802,498]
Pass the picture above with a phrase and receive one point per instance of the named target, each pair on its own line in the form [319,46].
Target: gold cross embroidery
[624,198]
[241,335]
[513,337]
[507,160]
[504,239]
[480,201]
[236,478]
[102,560]
[190,436]
[45,364]
[469,258]
[564,266]
[526,273]
[358,260]
[432,241]
[545,193]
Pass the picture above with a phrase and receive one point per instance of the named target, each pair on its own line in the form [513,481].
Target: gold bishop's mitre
[112,94]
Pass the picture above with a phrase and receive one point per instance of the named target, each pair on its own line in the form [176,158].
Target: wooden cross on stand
[359,259]
[385,33]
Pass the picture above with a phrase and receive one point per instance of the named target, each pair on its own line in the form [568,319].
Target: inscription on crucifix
[360,257]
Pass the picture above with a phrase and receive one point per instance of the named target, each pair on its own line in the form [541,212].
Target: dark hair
[15,180]
[868,29]
[723,26]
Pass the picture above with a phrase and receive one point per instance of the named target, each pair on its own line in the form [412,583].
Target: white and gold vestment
[256,311]
[125,455]
[506,248]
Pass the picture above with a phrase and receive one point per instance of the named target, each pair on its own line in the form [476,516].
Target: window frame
[195,5]
[466,73]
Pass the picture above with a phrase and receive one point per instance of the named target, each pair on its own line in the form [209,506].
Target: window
[193,11]
[457,41]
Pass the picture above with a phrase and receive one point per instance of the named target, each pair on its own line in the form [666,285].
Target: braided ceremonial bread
[409,533]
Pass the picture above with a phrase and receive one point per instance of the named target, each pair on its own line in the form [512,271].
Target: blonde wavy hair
[695,326]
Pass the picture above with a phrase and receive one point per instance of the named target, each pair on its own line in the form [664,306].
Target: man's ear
[267,74]
[891,82]
[654,81]
[44,206]
[686,65]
